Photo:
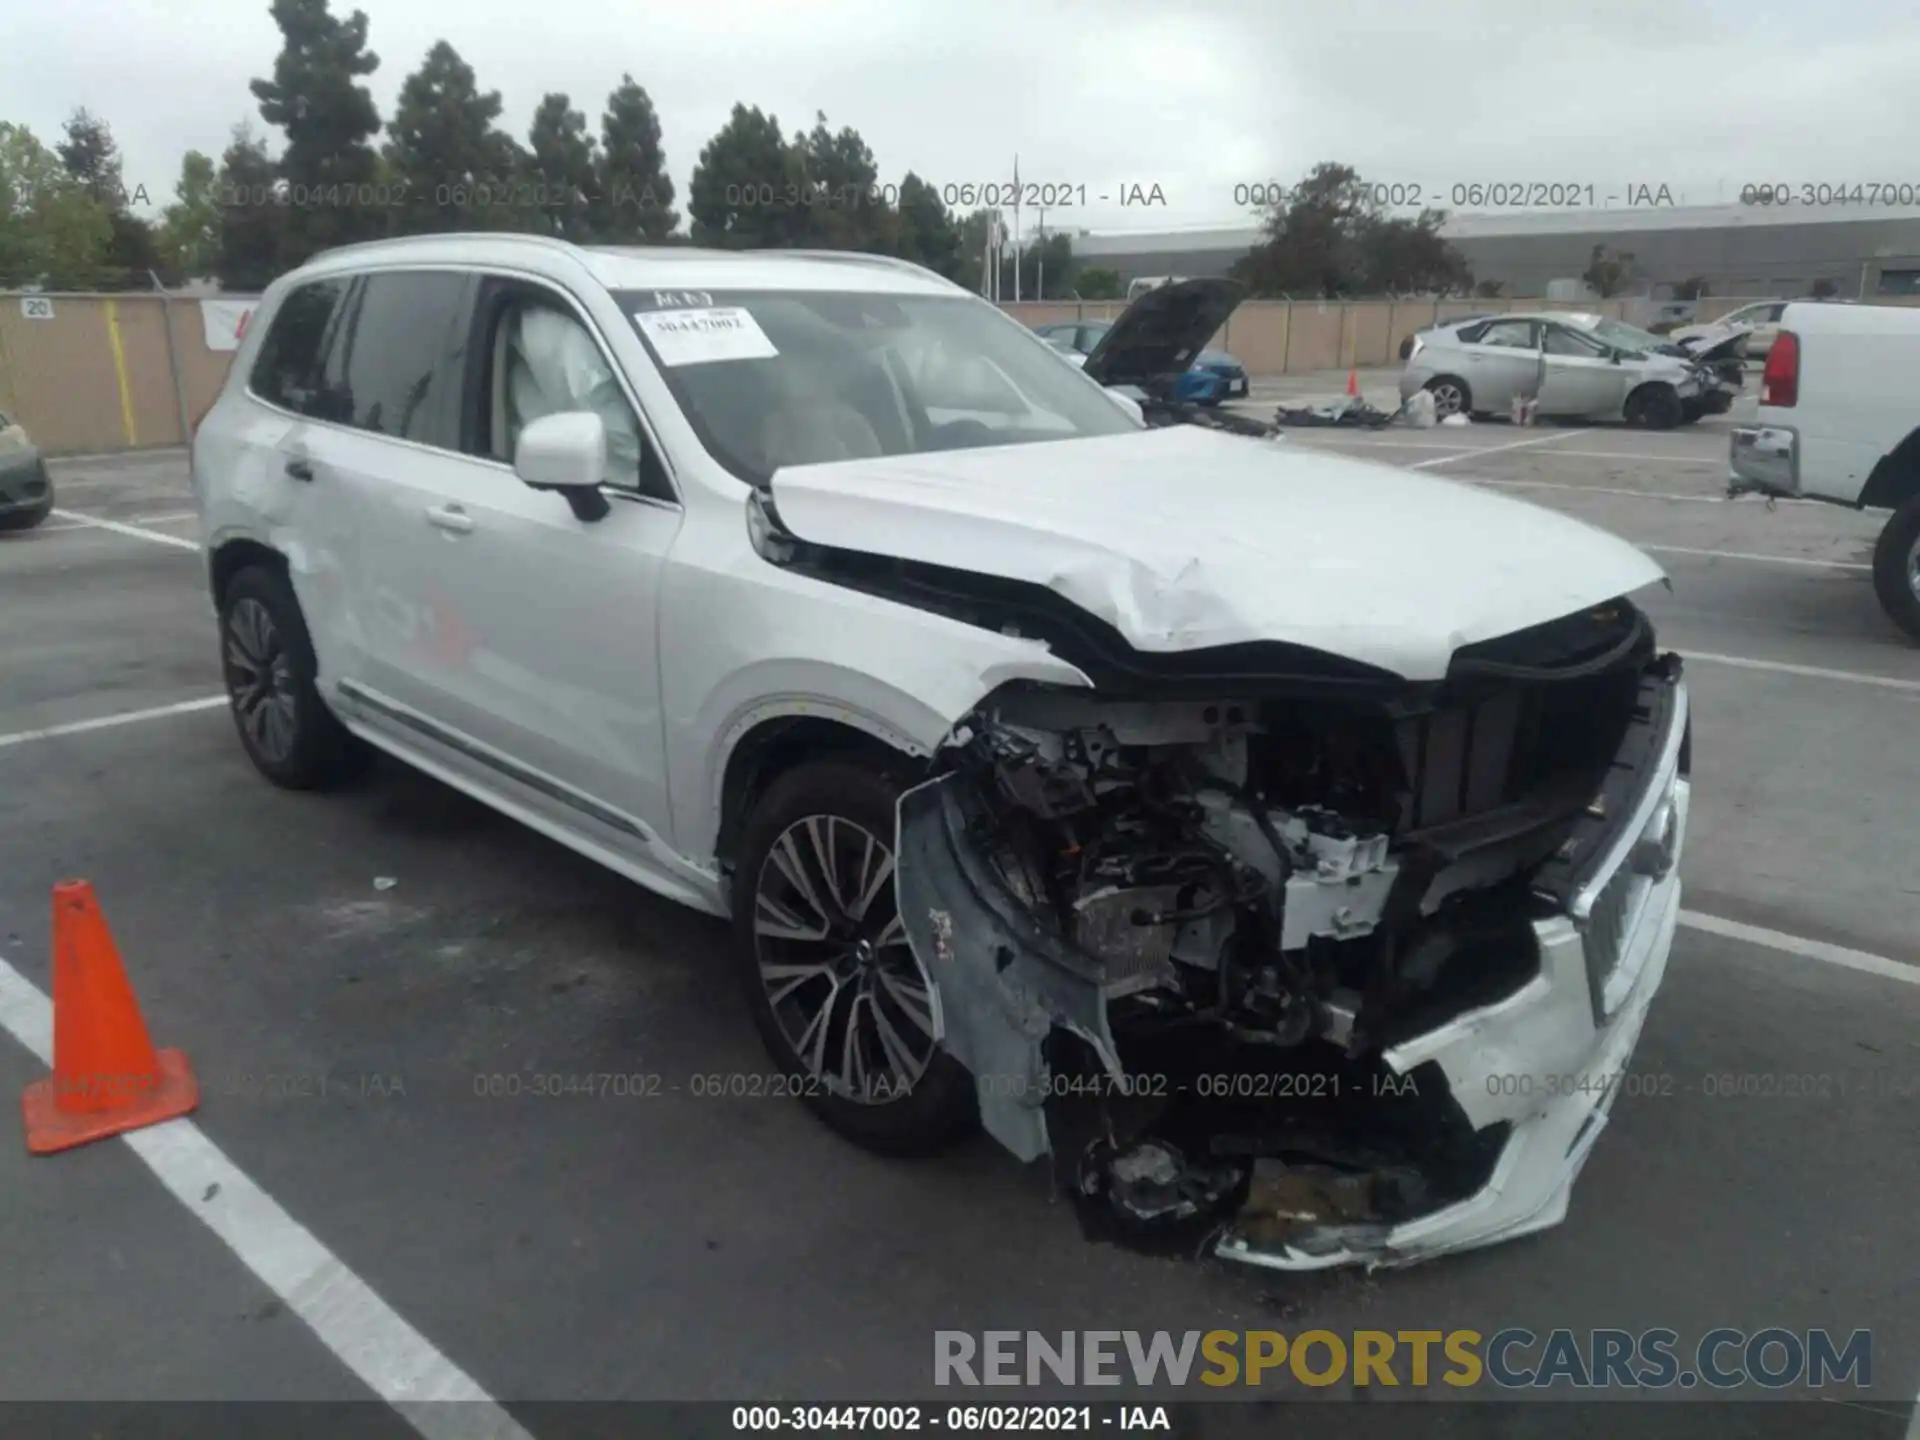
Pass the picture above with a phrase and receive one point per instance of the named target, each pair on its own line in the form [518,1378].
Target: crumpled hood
[1185,538]
[1710,342]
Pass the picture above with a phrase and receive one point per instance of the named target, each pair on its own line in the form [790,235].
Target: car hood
[1186,538]
[1162,332]
[1712,342]
[1216,357]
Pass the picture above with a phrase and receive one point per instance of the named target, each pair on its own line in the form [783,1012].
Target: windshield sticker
[699,337]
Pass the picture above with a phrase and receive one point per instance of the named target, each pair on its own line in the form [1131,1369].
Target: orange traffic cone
[107,1077]
[1353,383]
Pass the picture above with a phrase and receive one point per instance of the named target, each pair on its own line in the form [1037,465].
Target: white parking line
[108,722]
[1749,555]
[1812,672]
[1846,959]
[1490,450]
[167,519]
[1370,444]
[390,1357]
[134,531]
[1612,490]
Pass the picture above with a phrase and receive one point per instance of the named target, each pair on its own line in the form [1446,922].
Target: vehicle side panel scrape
[1004,982]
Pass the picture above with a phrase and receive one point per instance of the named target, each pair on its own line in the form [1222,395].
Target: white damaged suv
[1229,822]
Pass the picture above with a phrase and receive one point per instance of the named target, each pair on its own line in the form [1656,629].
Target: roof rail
[863,257]
[360,247]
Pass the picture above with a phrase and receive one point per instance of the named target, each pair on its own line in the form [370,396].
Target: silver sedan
[1573,366]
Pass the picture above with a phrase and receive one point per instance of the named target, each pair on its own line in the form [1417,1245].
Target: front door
[1581,376]
[537,651]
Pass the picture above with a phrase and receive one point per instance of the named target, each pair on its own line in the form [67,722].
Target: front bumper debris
[1764,460]
[1530,1077]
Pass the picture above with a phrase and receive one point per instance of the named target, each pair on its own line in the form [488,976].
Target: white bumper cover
[1550,1059]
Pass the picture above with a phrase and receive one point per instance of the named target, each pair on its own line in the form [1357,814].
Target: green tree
[746,190]
[633,195]
[329,119]
[1395,255]
[1098,282]
[444,153]
[1824,289]
[841,208]
[1694,287]
[1331,237]
[560,176]
[53,233]
[927,233]
[189,239]
[973,251]
[1608,271]
[1489,289]
[1046,269]
[253,214]
[91,156]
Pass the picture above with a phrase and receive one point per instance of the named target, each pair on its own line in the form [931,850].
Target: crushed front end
[1310,973]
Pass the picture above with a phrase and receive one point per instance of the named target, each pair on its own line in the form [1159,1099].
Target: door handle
[450,518]
[299,470]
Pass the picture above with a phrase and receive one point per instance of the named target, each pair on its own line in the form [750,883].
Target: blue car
[1214,375]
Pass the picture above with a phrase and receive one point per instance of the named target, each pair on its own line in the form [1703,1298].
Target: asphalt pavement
[350,973]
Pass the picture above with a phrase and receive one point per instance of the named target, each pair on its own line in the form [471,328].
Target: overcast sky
[1702,96]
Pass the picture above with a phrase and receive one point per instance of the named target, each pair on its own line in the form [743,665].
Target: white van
[1839,420]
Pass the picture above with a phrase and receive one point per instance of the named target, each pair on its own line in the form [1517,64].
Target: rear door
[1580,377]
[282,475]
[382,420]
[1502,360]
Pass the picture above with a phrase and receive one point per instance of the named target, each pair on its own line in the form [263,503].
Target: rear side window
[287,371]
[1508,334]
[389,368]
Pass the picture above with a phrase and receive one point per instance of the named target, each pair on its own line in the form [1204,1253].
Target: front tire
[1896,567]
[1653,407]
[843,1005]
[285,727]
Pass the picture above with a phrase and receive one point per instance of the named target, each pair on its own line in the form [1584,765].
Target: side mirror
[1615,356]
[568,453]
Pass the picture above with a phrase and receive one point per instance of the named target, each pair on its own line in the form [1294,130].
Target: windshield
[1628,337]
[775,378]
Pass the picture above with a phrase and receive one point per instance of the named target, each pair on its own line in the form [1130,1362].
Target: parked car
[1406,344]
[1216,375]
[1838,419]
[26,492]
[1037,756]
[1574,366]
[1759,322]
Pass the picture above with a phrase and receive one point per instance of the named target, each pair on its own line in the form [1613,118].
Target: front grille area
[1610,923]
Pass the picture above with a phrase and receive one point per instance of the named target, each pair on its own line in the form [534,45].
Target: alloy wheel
[843,983]
[1913,567]
[1447,399]
[260,679]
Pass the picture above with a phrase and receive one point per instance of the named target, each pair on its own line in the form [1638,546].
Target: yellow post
[120,373]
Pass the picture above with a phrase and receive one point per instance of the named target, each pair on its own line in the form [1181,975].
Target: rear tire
[1896,567]
[285,726]
[808,859]
[1654,407]
[1451,396]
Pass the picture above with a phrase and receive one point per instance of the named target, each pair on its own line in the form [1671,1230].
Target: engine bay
[1210,920]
